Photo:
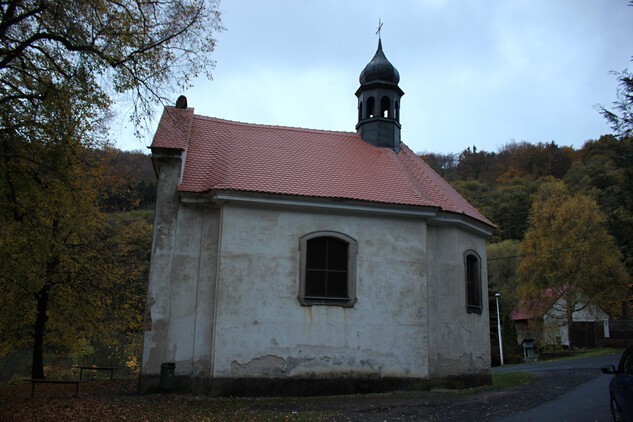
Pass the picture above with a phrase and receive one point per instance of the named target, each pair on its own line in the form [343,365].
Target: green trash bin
[167,375]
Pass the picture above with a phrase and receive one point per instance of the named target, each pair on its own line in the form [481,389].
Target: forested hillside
[130,182]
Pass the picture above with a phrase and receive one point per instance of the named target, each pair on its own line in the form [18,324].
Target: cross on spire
[379,28]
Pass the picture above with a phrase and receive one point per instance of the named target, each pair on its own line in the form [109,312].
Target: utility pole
[499,328]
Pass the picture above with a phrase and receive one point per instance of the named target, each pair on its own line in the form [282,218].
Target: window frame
[352,252]
[473,308]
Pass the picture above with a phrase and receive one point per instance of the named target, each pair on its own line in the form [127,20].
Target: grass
[587,354]
[500,381]
[511,379]
[575,355]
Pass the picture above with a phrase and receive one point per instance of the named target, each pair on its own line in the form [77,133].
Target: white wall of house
[555,329]
[456,343]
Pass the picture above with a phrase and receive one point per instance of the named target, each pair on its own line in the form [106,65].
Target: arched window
[328,269]
[370,108]
[385,106]
[472,269]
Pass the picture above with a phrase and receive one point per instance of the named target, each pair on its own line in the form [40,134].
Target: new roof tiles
[232,156]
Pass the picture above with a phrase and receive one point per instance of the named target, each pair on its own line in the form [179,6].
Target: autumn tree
[62,64]
[67,271]
[107,304]
[533,161]
[130,182]
[141,48]
[502,267]
[501,184]
[508,207]
[48,213]
[605,173]
[443,164]
[568,250]
[476,165]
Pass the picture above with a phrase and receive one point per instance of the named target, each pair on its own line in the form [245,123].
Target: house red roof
[548,298]
[233,156]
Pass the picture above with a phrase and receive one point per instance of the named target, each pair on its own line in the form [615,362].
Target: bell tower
[379,102]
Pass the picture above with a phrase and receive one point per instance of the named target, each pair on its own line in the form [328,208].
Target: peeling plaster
[265,366]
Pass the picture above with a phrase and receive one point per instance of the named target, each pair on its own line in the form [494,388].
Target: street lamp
[499,328]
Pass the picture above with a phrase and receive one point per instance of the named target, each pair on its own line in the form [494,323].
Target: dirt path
[452,406]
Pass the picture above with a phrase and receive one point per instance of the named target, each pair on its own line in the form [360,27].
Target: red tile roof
[173,129]
[527,310]
[233,156]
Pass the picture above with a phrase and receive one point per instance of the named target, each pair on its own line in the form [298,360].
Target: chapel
[299,261]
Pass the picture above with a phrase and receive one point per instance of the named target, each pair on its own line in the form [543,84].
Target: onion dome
[379,70]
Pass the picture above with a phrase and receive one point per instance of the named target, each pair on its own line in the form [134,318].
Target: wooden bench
[95,368]
[45,381]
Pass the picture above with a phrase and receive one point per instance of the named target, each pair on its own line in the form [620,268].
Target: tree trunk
[37,367]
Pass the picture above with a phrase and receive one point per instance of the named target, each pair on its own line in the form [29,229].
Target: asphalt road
[587,403]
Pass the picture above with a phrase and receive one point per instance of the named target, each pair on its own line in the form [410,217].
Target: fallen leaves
[117,400]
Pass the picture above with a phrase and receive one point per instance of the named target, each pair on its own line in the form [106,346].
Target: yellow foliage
[568,245]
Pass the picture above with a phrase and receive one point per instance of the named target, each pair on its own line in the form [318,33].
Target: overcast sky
[480,73]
